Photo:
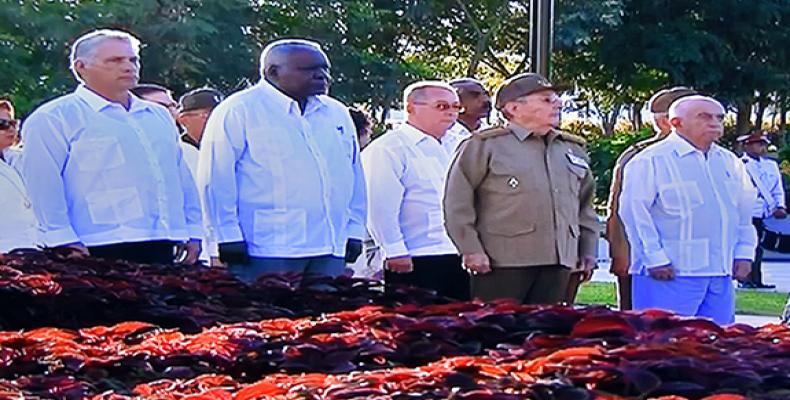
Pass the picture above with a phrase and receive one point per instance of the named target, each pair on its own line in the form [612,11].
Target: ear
[271,72]
[675,122]
[409,108]
[180,119]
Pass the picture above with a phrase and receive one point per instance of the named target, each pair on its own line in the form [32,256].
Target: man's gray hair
[84,48]
[416,89]
[269,49]
[679,106]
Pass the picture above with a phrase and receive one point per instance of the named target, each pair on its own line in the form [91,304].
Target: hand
[399,265]
[76,250]
[585,267]
[188,253]
[353,250]
[780,213]
[477,263]
[620,266]
[234,253]
[662,273]
[741,269]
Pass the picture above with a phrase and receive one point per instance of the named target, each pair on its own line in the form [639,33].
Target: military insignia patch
[512,182]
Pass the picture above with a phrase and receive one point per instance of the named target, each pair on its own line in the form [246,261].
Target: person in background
[518,199]
[406,171]
[19,228]
[476,104]
[193,112]
[370,264]
[619,250]
[686,205]
[279,171]
[157,94]
[764,174]
[103,178]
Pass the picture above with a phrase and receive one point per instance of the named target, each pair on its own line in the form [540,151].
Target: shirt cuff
[394,250]
[744,252]
[656,259]
[59,237]
[227,234]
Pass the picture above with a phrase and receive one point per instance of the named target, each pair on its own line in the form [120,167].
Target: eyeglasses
[443,106]
[170,106]
[197,113]
[8,123]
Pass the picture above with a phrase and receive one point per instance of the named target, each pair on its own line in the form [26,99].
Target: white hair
[84,48]
[416,88]
[285,42]
[678,108]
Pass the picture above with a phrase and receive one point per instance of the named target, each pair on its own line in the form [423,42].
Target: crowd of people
[273,179]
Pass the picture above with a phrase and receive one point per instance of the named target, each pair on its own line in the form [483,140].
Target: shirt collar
[99,103]
[683,147]
[286,103]
[523,133]
[412,134]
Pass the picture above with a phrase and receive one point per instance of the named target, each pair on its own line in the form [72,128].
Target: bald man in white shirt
[686,206]
[406,171]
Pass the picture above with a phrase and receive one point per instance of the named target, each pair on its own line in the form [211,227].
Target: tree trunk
[636,116]
[743,119]
[609,120]
[762,105]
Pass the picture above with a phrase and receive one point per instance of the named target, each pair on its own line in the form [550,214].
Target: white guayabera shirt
[290,185]
[406,172]
[18,228]
[99,174]
[765,172]
[687,209]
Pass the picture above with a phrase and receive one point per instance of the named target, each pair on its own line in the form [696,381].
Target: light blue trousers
[706,296]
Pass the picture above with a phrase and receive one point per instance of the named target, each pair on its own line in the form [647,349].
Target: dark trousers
[151,252]
[528,285]
[442,274]
[756,276]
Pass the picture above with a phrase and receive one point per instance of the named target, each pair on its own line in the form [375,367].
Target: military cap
[522,85]
[755,136]
[199,99]
[664,98]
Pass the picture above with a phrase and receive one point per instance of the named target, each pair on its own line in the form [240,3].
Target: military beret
[662,99]
[755,136]
[199,99]
[522,85]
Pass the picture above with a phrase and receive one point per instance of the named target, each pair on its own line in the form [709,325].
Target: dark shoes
[752,285]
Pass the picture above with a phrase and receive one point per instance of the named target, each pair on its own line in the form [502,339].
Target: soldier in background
[518,200]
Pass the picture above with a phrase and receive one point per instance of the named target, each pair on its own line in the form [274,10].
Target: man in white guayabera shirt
[279,171]
[104,169]
[686,206]
[405,172]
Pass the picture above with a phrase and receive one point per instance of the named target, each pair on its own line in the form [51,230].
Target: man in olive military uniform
[619,250]
[518,199]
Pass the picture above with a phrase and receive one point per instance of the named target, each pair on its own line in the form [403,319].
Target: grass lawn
[750,302]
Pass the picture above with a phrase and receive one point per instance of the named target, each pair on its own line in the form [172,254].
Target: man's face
[434,110]
[756,149]
[303,72]
[662,122]
[475,99]
[8,129]
[164,99]
[194,122]
[541,109]
[114,67]
[703,122]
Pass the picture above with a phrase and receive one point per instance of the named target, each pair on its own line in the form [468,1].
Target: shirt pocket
[688,257]
[507,178]
[270,144]
[680,197]
[576,177]
[96,154]
[115,206]
[280,228]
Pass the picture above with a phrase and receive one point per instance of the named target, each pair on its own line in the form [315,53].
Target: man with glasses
[157,94]
[19,229]
[405,172]
[477,106]
[279,171]
[518,199]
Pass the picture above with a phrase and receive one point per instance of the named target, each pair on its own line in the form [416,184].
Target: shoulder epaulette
[573,139]
[491,132]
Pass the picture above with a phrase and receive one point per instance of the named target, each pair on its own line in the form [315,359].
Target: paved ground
[776,270]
